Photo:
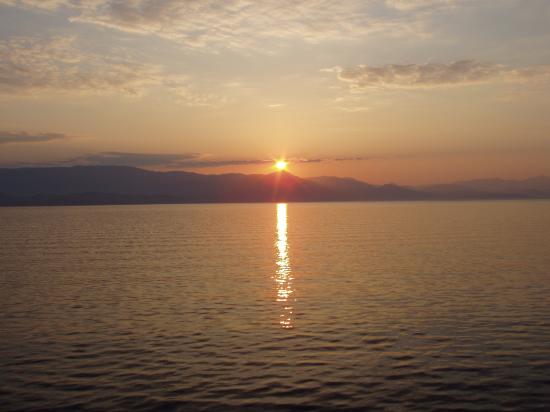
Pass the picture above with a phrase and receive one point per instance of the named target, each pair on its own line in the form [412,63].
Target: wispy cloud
[39,4]
[57,64]
[407,5]
[242,24]
[175,161]
[7,137]
[29,64]
[132,159]
[432,75]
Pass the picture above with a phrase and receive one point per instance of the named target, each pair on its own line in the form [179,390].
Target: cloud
[408,5]
[176,161]
[131,159]
[7,137]
[247,24]
[351,159]
[433,75]
[39,4]
[29,65]
[164,160]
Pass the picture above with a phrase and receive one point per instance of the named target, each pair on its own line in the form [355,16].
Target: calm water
[349,306]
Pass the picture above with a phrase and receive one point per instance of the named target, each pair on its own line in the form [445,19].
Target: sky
[405,91]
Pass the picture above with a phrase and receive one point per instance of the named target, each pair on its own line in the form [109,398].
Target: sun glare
[281,164]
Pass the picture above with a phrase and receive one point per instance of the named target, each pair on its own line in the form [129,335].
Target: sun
[281,165]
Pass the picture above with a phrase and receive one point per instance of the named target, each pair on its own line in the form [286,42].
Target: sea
[359,306]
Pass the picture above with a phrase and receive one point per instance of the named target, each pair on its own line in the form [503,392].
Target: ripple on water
[308,307]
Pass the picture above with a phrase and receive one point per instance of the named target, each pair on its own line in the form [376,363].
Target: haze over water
[326,306]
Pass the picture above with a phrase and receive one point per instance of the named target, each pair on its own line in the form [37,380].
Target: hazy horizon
[412,92]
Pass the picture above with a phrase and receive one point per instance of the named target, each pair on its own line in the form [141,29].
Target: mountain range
[78,185]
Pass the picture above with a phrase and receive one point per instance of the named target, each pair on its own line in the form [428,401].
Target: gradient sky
[407,91]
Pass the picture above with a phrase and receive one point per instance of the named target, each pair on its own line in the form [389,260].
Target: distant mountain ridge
[77,185]
[538,186]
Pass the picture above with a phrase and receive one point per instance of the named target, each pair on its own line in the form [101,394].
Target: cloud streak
[248,24]
[29,65]
[176,161]
[435,75]
[408,5]
[39,4]
[7,137]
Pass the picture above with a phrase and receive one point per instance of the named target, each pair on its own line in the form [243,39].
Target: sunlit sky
[401,91]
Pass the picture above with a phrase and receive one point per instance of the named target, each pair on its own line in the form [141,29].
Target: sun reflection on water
[283,276]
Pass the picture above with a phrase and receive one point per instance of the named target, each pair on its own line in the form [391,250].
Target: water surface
[327,306]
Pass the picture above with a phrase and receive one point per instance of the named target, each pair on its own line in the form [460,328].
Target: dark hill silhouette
[128,185]
[121,184]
